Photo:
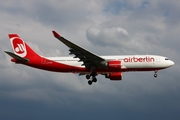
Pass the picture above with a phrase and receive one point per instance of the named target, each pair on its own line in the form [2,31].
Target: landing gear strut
[155,73]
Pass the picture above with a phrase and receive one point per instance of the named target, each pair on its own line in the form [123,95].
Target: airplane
[85,62]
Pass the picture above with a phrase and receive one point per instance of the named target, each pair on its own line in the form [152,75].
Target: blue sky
[103,27]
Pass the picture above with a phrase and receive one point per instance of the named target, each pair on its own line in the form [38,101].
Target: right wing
[88,58]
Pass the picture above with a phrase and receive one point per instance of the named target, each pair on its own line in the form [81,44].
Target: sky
[104,27]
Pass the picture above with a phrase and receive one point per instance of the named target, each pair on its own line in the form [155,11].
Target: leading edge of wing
[63,40]
[89,55]
[70,44]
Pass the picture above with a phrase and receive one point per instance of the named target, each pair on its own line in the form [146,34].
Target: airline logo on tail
[18,46]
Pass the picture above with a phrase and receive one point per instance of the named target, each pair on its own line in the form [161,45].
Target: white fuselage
[127,61]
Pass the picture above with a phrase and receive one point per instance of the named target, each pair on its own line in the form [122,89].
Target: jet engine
[114,76]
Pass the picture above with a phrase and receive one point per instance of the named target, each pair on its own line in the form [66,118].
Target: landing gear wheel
[94,79]
[92,76]
[88,76]
[90,82]
[155,75]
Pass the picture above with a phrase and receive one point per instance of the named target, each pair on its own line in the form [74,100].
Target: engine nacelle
[114,64]
[114,76]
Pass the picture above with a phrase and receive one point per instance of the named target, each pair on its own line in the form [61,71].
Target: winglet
[56,34]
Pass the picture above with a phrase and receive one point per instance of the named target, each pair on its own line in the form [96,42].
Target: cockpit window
[166,58]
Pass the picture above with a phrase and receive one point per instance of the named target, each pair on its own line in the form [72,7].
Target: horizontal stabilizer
[16,57]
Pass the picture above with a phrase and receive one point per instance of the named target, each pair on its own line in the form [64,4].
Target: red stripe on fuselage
[50,65]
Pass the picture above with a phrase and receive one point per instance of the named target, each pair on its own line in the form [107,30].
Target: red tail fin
[20,47]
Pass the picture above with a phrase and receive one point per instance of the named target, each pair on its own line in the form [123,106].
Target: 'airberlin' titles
[140,59]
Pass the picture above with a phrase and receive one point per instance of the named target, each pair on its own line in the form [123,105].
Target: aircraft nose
[171,63]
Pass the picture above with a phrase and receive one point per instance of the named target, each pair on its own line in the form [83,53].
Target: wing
[88,58]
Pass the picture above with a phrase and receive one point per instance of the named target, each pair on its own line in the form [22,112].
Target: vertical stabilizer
[20,48]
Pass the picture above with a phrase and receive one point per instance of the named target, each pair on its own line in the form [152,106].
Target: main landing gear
[91,78]
[155,73]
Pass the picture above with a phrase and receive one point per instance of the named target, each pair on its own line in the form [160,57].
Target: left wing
[88,58]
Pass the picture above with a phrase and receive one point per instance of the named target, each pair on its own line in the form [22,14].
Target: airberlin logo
[139,59]
[19,47]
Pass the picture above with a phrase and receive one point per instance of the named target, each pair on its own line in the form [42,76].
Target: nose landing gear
[155,73]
